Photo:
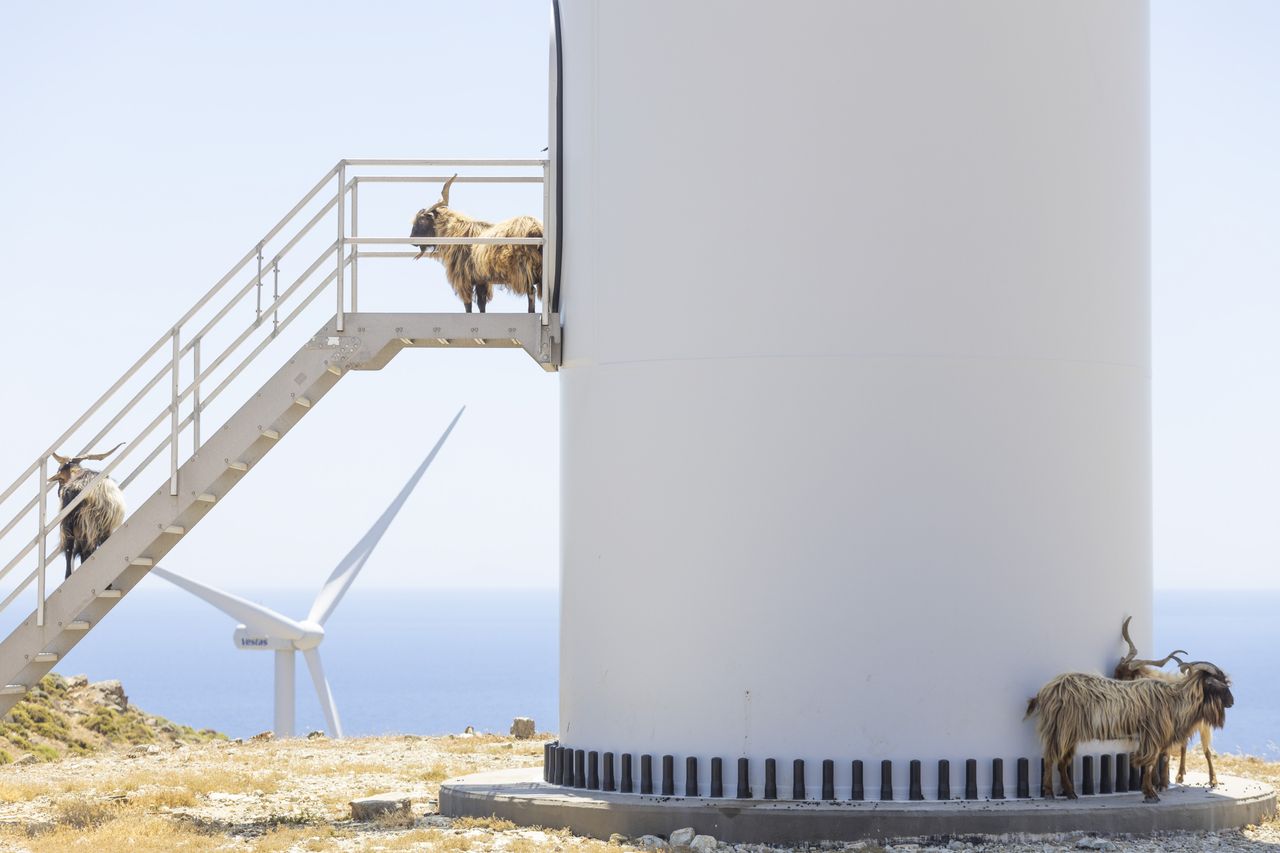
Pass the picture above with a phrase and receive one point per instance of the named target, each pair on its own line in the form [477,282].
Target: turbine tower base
[523,797]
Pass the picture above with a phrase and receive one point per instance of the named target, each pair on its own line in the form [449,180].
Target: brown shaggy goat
[97,516]
[474,270]
[1130,668]
[1159,714]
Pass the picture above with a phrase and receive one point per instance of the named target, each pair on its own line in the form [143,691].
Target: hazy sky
[149,146]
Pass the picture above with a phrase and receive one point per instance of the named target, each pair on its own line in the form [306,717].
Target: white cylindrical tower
[855,398]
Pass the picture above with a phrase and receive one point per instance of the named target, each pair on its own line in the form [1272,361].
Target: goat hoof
[1151,799]
[1071,796]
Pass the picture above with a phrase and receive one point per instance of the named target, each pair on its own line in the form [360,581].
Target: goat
[473,270]
[1128,669]
[1080,706]
[97,516]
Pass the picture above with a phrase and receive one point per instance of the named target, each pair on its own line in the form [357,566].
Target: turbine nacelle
[246,639]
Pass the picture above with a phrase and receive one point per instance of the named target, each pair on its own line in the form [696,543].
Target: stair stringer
[308,374]
[369,342]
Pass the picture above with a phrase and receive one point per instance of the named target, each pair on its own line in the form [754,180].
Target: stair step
[238,466]
[334,369]
[207,498]
[272,434]
[175,530]
[111,593]
[302,401]
[78,625]
[45,657]
[13,690]
[142,561]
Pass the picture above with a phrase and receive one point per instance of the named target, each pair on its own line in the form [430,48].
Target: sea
[436,661]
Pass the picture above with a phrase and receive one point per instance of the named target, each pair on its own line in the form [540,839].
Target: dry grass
[133,832]
[204,781]
[163,797]
[288,838]
[437,773]
[1238,765]
[496,824]
[23,790]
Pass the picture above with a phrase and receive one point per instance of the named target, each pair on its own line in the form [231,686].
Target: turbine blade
[323,692]
[254,616]
[340,581]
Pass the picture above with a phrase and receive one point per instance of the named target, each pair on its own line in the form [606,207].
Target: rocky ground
[183,790]
[70,716]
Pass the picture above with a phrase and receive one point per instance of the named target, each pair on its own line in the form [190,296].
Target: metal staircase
[211,446]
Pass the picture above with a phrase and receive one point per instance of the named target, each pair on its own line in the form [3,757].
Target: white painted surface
[855,408]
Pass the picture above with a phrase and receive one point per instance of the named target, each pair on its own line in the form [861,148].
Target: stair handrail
[180,349]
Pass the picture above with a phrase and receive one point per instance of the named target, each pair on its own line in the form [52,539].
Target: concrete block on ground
[371,808]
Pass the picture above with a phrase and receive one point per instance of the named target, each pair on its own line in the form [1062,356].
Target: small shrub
[84,814]
[302,818]
[436,773]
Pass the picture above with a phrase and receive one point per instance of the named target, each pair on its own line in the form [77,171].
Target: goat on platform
[96,517]
[1130,668]
[1158,714]
[473,270]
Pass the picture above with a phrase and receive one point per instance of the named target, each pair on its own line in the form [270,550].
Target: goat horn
[99,456]
[1173,655]
[444,193]
[1158,664]
[1124,632]
[62,460]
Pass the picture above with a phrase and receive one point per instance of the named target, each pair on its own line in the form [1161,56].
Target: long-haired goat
[1080,706]
[94,518]
[1130,668]
[474,270]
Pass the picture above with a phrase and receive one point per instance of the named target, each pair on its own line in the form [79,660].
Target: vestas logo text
[253,641]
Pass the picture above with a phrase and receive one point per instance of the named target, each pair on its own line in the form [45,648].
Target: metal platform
[523,797]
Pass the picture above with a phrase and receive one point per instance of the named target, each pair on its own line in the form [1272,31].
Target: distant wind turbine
[262,628]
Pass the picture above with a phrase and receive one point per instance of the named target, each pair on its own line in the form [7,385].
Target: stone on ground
[369,808]
[680,839]
[111,693]
[522,727]
[702,843]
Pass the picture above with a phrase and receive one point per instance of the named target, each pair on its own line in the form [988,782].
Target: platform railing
[183,347]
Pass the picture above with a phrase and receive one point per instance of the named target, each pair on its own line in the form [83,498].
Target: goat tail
[1032,705]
